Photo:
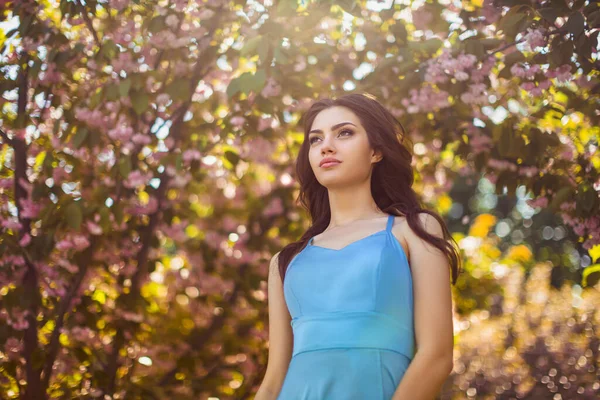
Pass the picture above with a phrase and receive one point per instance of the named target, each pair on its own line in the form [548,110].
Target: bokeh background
[147,177]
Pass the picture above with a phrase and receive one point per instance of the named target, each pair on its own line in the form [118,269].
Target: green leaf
[124,166]
[111,92]
[80,137]
[108,50]
[510,19]
[549,14]
[124,87]
[140,101]
[560,5]
[429,46]
[594,19]
[564,194]
[233,87]
[280,56]
[587,198]
[179,89]
[95,99]
[251,45]
[232,157]
[575,24]
[247,82]
[74,215]
[590,275]
[157,24]
[286,8]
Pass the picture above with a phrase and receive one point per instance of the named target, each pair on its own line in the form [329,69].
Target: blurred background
[147,154]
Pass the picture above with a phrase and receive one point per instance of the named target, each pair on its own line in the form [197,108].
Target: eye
[350,133]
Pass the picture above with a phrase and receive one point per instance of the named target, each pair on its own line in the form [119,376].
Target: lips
[329,161]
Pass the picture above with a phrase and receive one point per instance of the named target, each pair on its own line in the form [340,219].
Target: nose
[326,146]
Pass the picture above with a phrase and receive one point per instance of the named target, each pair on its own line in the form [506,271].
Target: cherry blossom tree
[146,163]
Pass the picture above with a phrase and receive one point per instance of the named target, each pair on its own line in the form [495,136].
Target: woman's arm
[434,332]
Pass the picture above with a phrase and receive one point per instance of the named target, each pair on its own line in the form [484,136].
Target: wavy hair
[391,180]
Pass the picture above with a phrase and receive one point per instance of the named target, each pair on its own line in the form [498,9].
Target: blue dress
[352,320]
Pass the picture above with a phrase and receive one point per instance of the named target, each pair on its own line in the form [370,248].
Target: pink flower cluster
[441,68]
[190,155]
[588,228]
[502,164]
[258,149]
[528,171]
[94,118]
[476,94]
[272,88]
[562,73]
[478,141]
[525,70]
[142,209]
[421,18]
[137,178]
[425,99]
[535,38]
[13,348]
[122,132]
[74,241]
[541,202]
[18,318]
[30,208]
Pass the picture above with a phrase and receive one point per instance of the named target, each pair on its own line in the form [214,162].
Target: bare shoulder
[399,229]
[274,265]
[407,237]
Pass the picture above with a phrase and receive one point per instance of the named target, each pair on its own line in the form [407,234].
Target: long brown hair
[391,181]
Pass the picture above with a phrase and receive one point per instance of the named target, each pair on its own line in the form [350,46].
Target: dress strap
[390,223]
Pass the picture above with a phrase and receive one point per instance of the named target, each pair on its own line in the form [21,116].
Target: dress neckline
[390,221]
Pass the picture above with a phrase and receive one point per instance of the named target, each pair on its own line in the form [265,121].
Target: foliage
[147,157]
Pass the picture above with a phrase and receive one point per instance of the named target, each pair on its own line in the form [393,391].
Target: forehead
[332,115]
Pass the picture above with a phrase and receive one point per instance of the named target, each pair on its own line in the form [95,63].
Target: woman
[360,307]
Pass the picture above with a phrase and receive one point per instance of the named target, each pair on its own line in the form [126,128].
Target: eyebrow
[334,127]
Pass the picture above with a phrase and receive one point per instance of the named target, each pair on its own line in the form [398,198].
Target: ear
[376,156]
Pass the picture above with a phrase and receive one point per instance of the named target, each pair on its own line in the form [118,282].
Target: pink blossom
[191,154]
[80,242]
[11,223]
[237,121]
[425,99]
[517,70]
[538,202]
[535,38]
[25,240]
[13,348]
[142,139]
[527,86]
[50,75]
[301,64]
[172,21]
[536,92]
[93,228]
[121,132]
[264,123]
[461,76]
[6,183]
[275,207]
[421,18]
[258,149]
[72,268]
[530,171]
[272,88]
[29,208]
[162,99]
[136,178]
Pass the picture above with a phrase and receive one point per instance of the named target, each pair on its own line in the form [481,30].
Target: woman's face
[337,132]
